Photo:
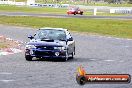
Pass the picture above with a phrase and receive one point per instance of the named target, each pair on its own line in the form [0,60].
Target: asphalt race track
[62,16]
[97,54]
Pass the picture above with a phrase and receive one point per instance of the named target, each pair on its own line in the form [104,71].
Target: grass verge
[116,28]
[3,45]
[11,8]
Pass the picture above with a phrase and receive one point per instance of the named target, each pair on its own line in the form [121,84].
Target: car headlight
[60,48]
[30,46]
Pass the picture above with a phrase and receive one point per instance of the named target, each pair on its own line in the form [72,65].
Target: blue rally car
[50,43]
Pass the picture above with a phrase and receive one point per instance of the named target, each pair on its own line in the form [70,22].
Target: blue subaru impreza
[50,43]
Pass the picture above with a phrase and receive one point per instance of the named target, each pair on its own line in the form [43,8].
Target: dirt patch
[7,43]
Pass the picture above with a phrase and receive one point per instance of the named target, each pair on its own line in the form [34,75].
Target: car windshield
[77,8]
[50,34]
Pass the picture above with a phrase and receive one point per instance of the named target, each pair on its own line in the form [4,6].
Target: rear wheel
[28,57]
[81,13]
[74,13]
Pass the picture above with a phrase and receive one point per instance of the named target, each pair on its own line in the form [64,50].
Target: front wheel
[74,13]
[28,57]
[66,57]
[72,56]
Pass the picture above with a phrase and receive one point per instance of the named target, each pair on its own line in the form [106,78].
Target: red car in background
[75,11]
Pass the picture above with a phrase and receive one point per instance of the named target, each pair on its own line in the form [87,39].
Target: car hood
[38,42]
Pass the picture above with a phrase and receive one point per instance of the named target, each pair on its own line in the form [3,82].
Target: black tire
[74,13]
[66,57]
[28,58]
[72,56]
[74,51]
[81,13]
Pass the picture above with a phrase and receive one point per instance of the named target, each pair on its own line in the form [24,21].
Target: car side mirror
[70,39]
[30,37]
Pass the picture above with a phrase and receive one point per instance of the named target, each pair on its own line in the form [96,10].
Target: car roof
[52,28]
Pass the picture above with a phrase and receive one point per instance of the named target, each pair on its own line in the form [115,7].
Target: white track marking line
[109,60]
[92,59]
[4,53]
[113,37]
[14,50]
[6,81]
[9,39]
[5,73]
[127,46]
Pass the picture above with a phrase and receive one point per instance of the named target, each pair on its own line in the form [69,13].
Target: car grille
[47,53]
[45,47]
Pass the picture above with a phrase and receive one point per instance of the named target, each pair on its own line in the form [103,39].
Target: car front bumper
[45,53]
[70,12]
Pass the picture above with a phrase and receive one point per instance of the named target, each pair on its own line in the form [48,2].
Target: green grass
[20,0]
[117,28]
[11,8]
[3,45]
